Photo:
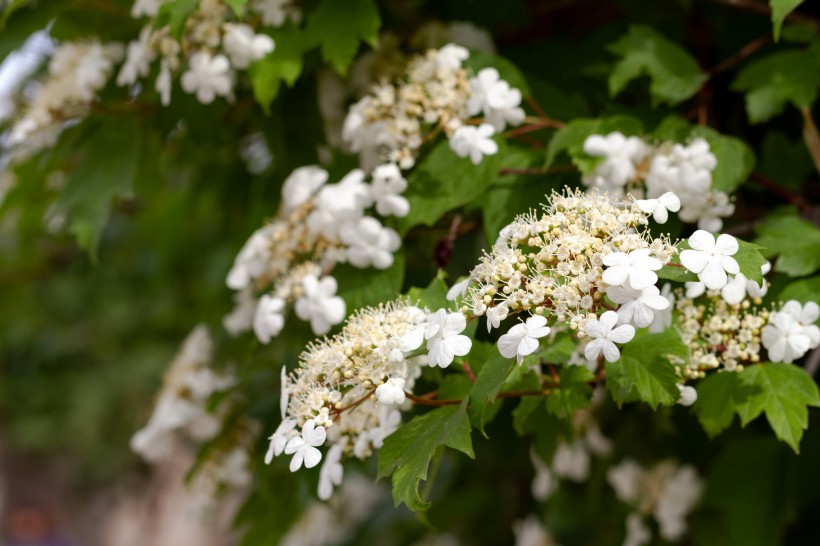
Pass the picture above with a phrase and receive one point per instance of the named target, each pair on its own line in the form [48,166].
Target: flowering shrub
[530,259]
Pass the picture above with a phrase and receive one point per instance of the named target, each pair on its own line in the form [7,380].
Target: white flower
[450,57]
[340,204]
[621,155]
[284,389]
[137,59]
[571,461]
[694,289]
[637,306]
[443,339]
[785,338]
[251,260]
[370,244]
[659,208]
[543,484]
[475,142]
[494,96]
[736,289]
[605,336]
[241,318]
[386,187]
[207,76]
[531,532]
[807,316]
[522,339]
[320,304]
[495,315]
[688,395]
[279,439]
[301,184]
[163,83]
[637,533]
[148,8]
[244,46]
[391,392]
[711,260]
[275,12]
[638,267]
[458,290]
[680,493]
[269,318]
[332,472]
[303,447]
[389,421]
[663,318]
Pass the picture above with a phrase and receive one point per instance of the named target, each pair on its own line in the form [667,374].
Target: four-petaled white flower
[208,76]
[621,153]
[791,332]
[736,289]
[637,267]
[807,316]
[444,341]
[370,243]
[340,204]
[244,46]
[269,318]
[391,392]
[522,339]
[604,337]
[475,142]
[387,186]
[659,208]
[332,472]
[637,306]
[303,447]
[495,315]
[320,304]
[279,439]
[494,96]
[451,56]
[711,259]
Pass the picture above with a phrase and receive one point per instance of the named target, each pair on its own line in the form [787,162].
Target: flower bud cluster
[576,264]
[77,71]
[349,388]
[666,491]
[632,166]
[213,46]
[435,95]
[318,226]
[181,408]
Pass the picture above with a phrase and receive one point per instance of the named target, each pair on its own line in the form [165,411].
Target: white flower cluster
[77,71]
[435,95]
[211,50]
[181,408]
[587,262]
[791,331]
[531,532]
[348,389]
[318,226]
[667,491]
[631,165]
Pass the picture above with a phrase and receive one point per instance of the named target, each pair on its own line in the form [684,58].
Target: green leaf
[780,10]
[174,14]
[782,77]
[339,25]
[718,396]
[433,297]
[571,137]
[784,392]
[283,64]
[574,392]
[804,290]
[407,452]
[785,159]
[363,287]
[511,194]
[644,372]
[238,6]
[107,165]
[750,259]
[506,70]
[488,384]
[676,274]
[675,76]
[735,160]
[443,181]
[794,241]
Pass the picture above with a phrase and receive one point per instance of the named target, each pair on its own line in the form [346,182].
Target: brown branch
[811,137]
[763,9]
[468,371]
[741,54]
[797,200]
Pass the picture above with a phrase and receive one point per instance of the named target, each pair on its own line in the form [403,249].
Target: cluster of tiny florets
[436,95]
[630,165]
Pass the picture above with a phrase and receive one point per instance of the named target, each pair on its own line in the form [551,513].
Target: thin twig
[741,54]
[813,362]
[797,200]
